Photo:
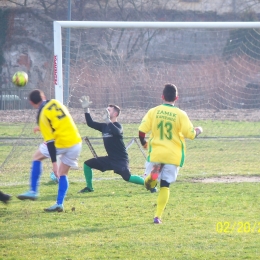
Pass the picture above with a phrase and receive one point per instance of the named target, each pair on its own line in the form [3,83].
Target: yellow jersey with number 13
[56,124]
[169,126]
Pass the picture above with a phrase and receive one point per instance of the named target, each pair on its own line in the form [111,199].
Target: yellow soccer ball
[20,78]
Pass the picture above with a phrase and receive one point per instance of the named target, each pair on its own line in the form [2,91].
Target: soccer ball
[20,78]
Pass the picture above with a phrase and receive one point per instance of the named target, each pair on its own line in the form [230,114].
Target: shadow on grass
[51,197]
[63,233]
[97,228]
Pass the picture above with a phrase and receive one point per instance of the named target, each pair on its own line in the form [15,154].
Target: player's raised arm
[85,103]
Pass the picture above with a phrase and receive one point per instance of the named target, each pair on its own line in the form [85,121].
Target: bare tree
[17,2]
[50,7]
[247,5]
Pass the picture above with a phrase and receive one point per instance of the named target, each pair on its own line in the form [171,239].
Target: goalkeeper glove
[85,103]
[106,116]
[198,130]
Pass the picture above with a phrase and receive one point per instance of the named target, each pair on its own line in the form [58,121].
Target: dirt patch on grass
[228,179]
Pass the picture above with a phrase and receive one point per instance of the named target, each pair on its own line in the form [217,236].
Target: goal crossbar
[155,25]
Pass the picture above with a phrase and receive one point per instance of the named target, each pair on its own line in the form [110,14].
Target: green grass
[224,148]
[115,222]
[201,221]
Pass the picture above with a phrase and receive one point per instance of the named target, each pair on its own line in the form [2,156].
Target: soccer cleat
[151,180]
[5,198]
[55,208]
[156,220]
[86,189]
[149,183]
[29,195]
[54,178]
[153,190]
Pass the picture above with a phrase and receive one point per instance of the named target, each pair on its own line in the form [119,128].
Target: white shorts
[168,173]
[68,156]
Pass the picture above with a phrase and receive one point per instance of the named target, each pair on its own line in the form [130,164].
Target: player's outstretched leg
[136,179]
[88,173]
[32,194]
[62,191]
[139,180]
[5,198]
[127,176]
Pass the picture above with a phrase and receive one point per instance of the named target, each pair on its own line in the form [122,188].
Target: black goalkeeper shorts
[104,163]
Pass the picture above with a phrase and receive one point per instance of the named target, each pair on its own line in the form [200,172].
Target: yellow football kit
[56,124]
[169,126]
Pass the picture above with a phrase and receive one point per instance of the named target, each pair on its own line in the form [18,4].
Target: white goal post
[58,25]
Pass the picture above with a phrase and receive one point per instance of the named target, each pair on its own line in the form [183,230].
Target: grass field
[201,221]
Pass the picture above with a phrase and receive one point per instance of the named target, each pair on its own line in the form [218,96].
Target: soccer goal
[215,65]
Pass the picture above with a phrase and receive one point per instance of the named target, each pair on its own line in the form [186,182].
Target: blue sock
[63,187]
[36,171]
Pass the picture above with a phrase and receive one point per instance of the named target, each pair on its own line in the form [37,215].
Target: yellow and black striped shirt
[56,124]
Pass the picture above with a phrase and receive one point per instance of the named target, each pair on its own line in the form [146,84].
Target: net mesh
[217,75]
[212,68]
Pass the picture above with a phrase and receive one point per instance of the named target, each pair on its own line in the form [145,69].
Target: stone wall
[28,45]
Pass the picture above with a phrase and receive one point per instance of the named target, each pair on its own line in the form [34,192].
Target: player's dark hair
[117,108]
[170,92]
[36,96]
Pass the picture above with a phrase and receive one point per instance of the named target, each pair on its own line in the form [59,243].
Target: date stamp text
[238,227]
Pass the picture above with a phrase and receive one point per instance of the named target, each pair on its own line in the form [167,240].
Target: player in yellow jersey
[61,137]
[168,127]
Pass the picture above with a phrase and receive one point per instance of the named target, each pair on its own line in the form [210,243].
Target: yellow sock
[162,200]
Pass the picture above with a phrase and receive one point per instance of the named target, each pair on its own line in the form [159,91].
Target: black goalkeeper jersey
[112,134]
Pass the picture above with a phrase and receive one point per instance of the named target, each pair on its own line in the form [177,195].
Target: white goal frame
[58,25]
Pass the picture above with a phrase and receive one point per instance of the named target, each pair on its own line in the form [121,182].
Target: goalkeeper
[169,126]
[117,157]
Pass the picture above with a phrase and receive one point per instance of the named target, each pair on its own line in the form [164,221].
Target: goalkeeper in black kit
[117,157]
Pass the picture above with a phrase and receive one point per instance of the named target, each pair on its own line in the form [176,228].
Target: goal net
[128,63]
[215,65]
